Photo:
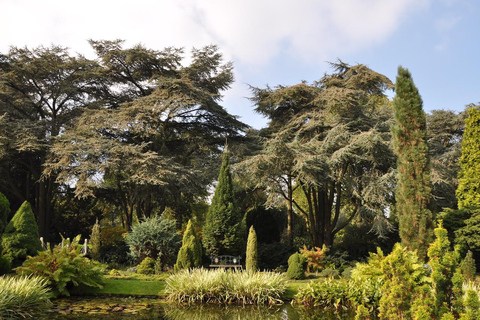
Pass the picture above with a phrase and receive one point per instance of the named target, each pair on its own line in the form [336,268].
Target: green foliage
[468,194]
[64,266]
[21,238]
[340,294]
[21,296]
[273,255]
[468,236]
[444,263]
[95,241]
[190,254]
[4,265]
[251,262]
[297,264]
[223,229]
[4,212]
[472,306]
[268,223]
[319,137]
[413,189]
[225,286]
[468,266]
[315,257]
[403,276]
[154,237]
[362,313]
[147,266]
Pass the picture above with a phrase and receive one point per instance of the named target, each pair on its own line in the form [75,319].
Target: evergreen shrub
[190,254]
[95,241]
[251,263]
[154,237]
[21,238]
[296,266]
[4,265]
[147,266]
[4,212]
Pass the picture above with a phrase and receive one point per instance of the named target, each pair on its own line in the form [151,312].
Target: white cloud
[250,31]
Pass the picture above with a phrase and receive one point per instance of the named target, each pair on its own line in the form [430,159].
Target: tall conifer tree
[468,190]
[222,232]
[413,189]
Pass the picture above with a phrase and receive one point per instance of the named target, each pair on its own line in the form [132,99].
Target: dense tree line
[136,133]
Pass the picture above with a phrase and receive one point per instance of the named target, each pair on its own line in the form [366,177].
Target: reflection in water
[283,312]
[141,308]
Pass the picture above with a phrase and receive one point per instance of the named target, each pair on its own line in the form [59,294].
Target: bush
[225,286]
[340,294]
[296,266]
[63,267]
[4,212]
[21,238]
[251,263]
[190,254]
[115,254]
[4,265]
[274,255]
[154,237]
[147,266]
[21,296]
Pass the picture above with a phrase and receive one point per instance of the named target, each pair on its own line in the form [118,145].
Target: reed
[20,296]
[225,286]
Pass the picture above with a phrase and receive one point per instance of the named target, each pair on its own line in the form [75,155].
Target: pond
[144,308]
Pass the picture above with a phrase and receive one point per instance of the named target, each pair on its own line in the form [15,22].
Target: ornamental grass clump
[225,286]
[21,296]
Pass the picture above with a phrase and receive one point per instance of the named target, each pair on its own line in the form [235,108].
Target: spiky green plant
[20,296]
[225,286]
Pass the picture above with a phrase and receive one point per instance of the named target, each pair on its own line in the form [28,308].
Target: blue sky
[276,41]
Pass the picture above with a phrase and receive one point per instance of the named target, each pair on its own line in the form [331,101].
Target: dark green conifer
[413,189]
[21,238]
[251,263]
[190,254]
[468,190]
[222,232]
[4,212]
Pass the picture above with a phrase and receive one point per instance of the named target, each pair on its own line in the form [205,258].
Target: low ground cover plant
[225,286]
[20,296]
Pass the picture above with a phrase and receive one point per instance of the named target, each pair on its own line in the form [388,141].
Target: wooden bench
[225,261]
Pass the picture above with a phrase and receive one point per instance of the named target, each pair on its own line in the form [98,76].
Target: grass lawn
[130,287]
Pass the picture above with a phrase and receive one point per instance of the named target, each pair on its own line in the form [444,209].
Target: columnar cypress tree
[413,189]
[251,263]
[21,238]
[222,232]
[468,190]
[190,254]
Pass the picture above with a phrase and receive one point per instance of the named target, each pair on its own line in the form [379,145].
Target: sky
[276,42]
